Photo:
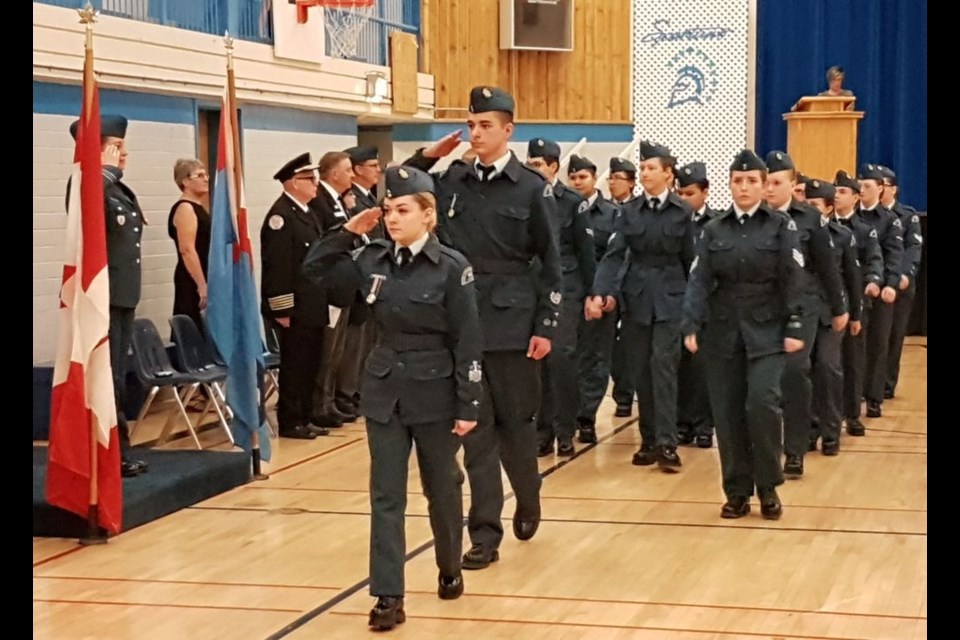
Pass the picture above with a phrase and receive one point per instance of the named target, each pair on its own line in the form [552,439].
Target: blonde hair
[183,168]
[426,200]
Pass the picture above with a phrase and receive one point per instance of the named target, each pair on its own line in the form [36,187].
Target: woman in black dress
[189,226]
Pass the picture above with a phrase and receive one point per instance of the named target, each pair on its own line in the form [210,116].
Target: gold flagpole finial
[88,17]
[228,44]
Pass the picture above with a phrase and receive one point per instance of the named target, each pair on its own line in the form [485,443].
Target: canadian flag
[84,466]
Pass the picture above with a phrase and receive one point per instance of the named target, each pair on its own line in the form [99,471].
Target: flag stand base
[257,473]
[94,535]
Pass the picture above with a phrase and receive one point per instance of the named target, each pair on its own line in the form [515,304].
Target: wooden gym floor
[622,552]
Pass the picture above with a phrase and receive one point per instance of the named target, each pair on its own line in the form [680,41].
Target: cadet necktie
[485,172]
[654,203]
[404,256]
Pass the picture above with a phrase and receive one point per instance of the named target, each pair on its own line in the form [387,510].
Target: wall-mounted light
[377,87]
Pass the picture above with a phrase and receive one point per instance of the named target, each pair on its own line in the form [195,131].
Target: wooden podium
[822,135]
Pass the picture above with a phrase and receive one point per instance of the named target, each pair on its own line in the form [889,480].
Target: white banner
[690,82]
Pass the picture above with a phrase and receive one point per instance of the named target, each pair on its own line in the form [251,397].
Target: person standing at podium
[835,78]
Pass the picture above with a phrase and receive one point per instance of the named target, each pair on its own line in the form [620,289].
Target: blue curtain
[882,47]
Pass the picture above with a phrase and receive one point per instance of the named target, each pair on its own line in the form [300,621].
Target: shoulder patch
[873,233]
[798,257]
[915,219]
[467,276]
[792,226]
[918,238]
[275,222]
[897,223]
[548,190]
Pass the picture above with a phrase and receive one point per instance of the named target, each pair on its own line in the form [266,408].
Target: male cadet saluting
[694,421]
[878,321]
[595,339]
[907,291]
[557,419]
[871,268]
[498,213]
[124,220]
[297,306]
[818,274]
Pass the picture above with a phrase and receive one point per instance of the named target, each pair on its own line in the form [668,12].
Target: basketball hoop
[343,19]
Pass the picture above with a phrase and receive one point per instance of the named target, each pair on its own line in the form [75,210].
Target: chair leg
[145,408]
[181,402]
[220,413]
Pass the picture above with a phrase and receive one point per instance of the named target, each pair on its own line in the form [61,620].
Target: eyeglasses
[307,178]
[202,175]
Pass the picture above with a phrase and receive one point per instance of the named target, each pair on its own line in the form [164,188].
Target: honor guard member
[827,362]
[694,422]
[907,291]
[654,236]
[557,418]
[422,380]
[499,213]
[125,221]
[622,183]
[595,338]
[744,294]
[871,270]
[819,277]
[294,304]
[879,320]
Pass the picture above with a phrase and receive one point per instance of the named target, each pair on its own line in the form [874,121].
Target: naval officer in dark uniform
[654,238]
[557,419]
[907,291]
[124,220]
[694,422]
[871,269]
[819,277]
[596,337]
[499,213]
[744,292]
[422,379]
[879,320]
[827,362]
[297,306]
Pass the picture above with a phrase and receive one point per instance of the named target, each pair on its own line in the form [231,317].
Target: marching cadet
[744,294]
[871,269]
[622,182]
[296,306]
[907,291]
[124,220]
[654,234]
[422,381]
[499,213]
[557,418]
[827,371]
[596,338]
[819,277]
[694,422]
[879,320]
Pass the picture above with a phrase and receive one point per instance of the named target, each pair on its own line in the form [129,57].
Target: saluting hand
[888,295]
[444,145]
[364,222]
[792,345]
[110,156]
[463,427]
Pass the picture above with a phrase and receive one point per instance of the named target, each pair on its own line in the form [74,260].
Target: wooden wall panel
[589,84]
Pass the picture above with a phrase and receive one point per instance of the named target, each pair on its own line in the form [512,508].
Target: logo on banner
[696,78]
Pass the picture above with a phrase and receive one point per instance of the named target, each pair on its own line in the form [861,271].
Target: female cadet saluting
[744,293]
[422,379]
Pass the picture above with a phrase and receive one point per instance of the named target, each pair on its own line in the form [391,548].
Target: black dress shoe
[320,431]
[130,468]
[668,459]
[479,557]
[544,449]
[793,467]
[525,527]
[623,410]
[888,394]
[387,613]
[450,588]
[587,434]
[705,442]
[685,436]
[565,448]
[645,456]
[770,506]
[327,421]
[830,448]
[813,445]
[298,432]
[873,409]
[855,427]
[735,507]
